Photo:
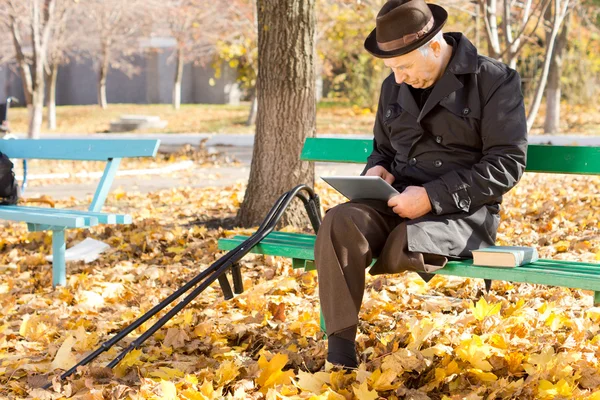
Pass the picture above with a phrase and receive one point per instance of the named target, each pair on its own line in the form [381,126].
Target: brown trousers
[351,235]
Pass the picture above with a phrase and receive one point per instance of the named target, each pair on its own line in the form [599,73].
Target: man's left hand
[412,203]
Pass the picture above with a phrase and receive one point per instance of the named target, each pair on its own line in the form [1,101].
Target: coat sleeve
[383,152]
[504,138]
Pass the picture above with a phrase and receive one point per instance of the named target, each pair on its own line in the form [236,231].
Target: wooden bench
[59,220]
[540,158]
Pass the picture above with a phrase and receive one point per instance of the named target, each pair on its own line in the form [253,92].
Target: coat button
[466,110]
[438,139]
[388,113]
[438,163]
[463,203]
[412,162]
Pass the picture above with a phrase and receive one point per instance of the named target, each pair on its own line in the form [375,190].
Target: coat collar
[464,61]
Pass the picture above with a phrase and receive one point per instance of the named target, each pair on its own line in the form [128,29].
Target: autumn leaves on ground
[417,341]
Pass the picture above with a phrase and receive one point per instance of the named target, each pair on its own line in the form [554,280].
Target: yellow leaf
[514,361]
[542,362]
[384,380]
[167,373]
[314,383]
[176,249]
[271,373]
[514,309]
[419,332]
[452,368]
[64,358]
[85,341]
[131,359]
[24,325]
[594,396]
[546,390]
[483,310]
[169,391]
[362,392]
[227,372]
[498,341]
[562,246]
[191,394]
[209,391]
[475,351]
[483,376]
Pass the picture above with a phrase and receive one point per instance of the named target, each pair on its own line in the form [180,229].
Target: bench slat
[303,252]
[565,278]
[103,218]
[572,274]
[79,149]
[37,217]
[540,158]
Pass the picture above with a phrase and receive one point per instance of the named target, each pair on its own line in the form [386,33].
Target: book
[504,256]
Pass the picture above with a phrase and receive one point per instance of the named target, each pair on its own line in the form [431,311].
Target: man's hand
[382,172]
[412,203]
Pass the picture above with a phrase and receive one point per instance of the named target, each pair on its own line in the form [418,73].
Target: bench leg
[59,275]
[596,298]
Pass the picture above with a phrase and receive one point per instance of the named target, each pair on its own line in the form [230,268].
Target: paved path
[238,146]
[198,178]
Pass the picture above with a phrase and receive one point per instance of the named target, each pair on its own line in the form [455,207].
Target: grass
[191,118]
[332,117]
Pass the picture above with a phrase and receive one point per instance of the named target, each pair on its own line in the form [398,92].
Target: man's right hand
[378,170]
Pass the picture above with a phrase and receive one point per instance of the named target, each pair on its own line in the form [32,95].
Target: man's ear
[436,47]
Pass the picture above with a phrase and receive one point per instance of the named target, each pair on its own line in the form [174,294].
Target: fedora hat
[403,26]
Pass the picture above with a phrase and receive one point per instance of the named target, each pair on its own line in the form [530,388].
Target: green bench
[545,159]
[59,220]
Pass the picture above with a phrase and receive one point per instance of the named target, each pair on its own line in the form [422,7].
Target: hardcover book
[504,256]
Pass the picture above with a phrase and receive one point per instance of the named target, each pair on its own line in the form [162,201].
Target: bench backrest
[540,158]
[78,149]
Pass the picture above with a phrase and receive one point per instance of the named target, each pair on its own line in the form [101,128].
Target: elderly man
[450,135]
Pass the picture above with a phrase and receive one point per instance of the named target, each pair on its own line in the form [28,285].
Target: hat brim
[440,16]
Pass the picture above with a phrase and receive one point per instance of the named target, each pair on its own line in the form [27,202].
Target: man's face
[414,69]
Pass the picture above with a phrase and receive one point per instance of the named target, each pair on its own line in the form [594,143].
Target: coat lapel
[407,101]
[443,88]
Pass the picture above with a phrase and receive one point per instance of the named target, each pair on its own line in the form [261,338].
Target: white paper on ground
[86,251]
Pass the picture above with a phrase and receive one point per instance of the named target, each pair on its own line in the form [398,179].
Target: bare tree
[31,24]
[553,89]
[188,22]
[63,48]
[236,43]
[507,33]
[286,105]
[559,11]
[115,27]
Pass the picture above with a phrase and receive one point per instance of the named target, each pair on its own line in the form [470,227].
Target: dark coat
[466,147]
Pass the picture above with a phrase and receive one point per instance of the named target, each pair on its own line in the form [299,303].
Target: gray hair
[425,48]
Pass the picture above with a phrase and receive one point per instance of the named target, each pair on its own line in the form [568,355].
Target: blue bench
[59,220]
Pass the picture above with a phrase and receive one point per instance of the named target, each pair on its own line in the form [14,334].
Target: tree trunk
[105,64]
[553,90]
[39,60]
[178,78]
[253,110]
[36,112]
[286,107]
[51,100]
[559,14]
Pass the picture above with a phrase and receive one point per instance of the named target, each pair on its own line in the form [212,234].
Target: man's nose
[400,77]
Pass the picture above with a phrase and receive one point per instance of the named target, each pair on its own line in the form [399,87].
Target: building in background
[77,82]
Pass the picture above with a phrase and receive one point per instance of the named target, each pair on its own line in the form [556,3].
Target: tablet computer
[362,187]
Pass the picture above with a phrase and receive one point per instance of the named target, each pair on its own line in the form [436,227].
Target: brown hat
[403,26]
